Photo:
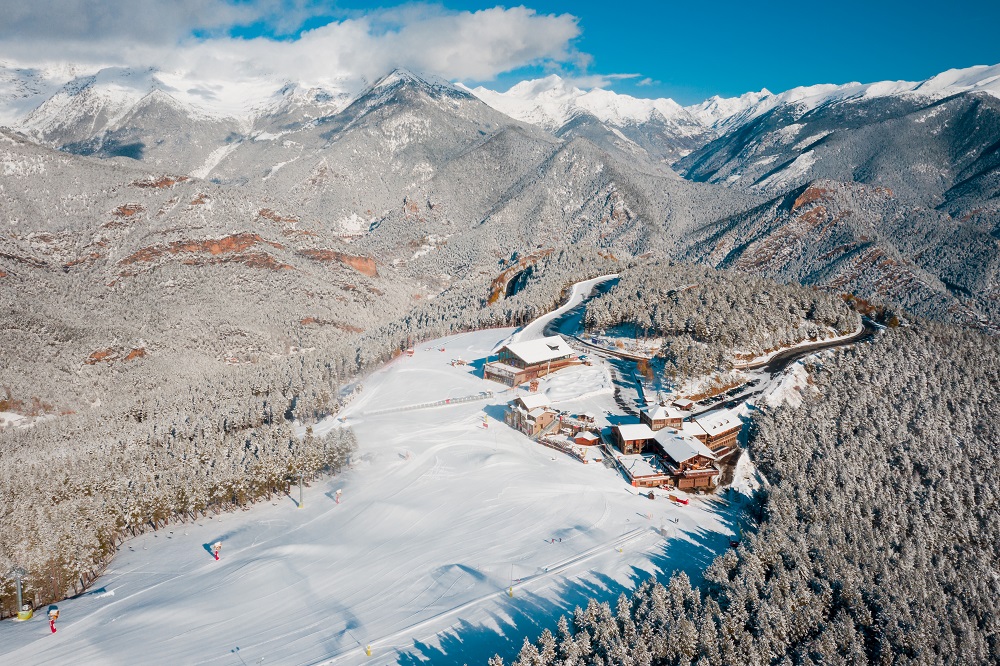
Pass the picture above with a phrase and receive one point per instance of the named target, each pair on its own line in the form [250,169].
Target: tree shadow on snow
[527,614]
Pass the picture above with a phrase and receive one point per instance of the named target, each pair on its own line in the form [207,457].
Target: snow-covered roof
[539,351]
[538,411]
[692,429]
[683,403]
[679,448]
[534,400]
[642,464]
[661,412]
[719,421]
[630,431]
[502,368]
[587,435]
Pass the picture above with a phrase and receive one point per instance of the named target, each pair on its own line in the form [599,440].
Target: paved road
[782,360]
[570,323]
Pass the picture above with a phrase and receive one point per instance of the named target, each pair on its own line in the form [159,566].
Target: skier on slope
[216,547]
[53,616]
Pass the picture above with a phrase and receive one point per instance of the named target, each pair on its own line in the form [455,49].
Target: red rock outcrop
[363,265]
[225,245]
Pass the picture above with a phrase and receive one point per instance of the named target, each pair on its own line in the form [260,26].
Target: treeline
[708,316]
[73,486]
[879,535]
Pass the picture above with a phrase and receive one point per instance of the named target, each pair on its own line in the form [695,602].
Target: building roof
[661,412]
[684,403]
[534,400]
[719,421]
[587,435]
[642,464]
[692,429]
[539,351]
[630,431]
[502,368]
[679,448]
[538,411]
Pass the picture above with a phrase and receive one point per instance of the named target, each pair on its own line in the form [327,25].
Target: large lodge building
[520,362]
[683,453]
[667,447]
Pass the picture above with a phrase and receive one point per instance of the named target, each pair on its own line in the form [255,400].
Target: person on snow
[216,547]
[53,616]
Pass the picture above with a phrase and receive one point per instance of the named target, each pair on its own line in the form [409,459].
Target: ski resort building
[661,416]
[718,430]
[530,414]
[520,362]
[632,437]
[684,404]
[645,470]
[689,462]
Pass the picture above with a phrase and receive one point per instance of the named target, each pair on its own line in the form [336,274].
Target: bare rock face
[363,265]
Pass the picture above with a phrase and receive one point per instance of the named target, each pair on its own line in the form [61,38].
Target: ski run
[450,538]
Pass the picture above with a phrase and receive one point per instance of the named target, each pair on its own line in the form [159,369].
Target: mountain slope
[855,238]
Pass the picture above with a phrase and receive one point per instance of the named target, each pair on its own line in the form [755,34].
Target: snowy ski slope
[440,518]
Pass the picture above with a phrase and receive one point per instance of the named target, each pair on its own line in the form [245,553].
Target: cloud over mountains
[201,42]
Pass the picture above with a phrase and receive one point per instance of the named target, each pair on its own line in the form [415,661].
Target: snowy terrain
[551,102]
[441,521]
[43,98]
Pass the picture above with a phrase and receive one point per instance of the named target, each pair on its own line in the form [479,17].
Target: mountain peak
[397,75]
[553,101]
[402,76]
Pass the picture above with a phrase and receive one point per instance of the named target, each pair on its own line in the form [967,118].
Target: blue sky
[688,51]
[695,49]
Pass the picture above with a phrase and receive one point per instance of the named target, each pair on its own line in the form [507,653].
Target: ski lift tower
[24,611]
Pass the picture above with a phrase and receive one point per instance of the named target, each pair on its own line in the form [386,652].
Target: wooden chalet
[531,414]
[586,438]
[520,362]
[690,463]
[719,430]
[658,417]
[632,437]
[644,470]
[684,404]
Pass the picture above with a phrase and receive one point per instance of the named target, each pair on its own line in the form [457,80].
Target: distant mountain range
[890,190]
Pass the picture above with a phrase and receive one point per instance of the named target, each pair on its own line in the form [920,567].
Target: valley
[545,376]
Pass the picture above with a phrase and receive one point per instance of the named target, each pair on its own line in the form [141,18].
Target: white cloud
[145,33]
[589,81]
[116,21]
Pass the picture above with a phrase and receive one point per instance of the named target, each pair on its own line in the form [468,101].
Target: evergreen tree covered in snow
[74,485]
[878,533]
[708,317]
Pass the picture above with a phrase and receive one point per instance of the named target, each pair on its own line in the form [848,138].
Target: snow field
[440,517]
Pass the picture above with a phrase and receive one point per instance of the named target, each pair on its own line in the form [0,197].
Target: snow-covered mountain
[552,102]
[659,129]
[116,111]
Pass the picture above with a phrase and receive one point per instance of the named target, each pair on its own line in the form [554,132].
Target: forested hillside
[74,485]
[878,534]
[709,317]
